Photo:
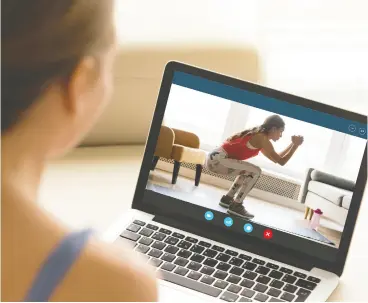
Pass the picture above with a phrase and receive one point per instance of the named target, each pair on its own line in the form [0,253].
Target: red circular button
[267,234]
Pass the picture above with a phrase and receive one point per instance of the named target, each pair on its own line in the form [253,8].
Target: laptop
[295,247]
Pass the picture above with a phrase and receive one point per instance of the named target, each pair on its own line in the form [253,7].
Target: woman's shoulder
[123,272]
[257,140]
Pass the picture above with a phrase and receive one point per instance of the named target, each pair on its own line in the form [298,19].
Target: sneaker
[226,201]
[238,209]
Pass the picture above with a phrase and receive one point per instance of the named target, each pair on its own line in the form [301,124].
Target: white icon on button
[352,127]
[362,131]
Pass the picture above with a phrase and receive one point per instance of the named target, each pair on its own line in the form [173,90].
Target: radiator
[268,183]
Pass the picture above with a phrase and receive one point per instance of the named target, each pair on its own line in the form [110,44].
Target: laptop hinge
[218,234]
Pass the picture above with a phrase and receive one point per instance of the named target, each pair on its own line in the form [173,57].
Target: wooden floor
[266,213]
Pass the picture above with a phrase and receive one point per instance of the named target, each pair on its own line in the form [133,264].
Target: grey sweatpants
[247,174]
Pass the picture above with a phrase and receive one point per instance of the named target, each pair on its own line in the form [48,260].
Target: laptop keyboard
[215,270]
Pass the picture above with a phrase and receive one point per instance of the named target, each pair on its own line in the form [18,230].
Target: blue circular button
[228,221]
[208,215]
[248,228]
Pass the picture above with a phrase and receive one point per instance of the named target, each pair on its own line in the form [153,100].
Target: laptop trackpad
[171,293]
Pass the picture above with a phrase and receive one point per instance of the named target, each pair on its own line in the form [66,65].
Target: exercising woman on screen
[229,160]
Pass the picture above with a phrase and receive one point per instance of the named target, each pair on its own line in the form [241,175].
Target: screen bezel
[156,208]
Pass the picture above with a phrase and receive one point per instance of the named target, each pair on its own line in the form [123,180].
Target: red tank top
[238,149]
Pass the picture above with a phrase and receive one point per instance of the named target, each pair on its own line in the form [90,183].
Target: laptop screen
[257,165]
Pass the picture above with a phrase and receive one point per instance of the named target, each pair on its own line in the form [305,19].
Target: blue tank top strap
[56,266]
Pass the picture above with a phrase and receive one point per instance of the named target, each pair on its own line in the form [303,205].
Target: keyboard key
[171,249]
[234,288]
[210,262]
[157,236]
[171,240]
[243,299]
[223,257]
[194,265]
[218,248]
[208,280]
[290,288]
[194,275]
[289,279]
[260,287]
[191,240]
[142,249]
[237,271]
[277,284]
[276,274]
[180,236]
[184,253]
[286,270]
[302,295]
[250,275]
[263,279]
[181,261]
[249,265]
[300,275]
[231,252]
[314,279]
[223,266]
[275,300]
[205,244]
[229,297]
[197,258]
[245,257]
[151,226]
[158,245]
[197,249]
[220,275]
[287,297]
[210,253]
[147,232]
[247,293]
[233,279]
[168,257]
[129,235]
[168,266]
[155,262]
[262,270]
[247,283]
[258,261]
[207,270]
[221,284]
[236,261]
[145,241]
[261,297]
[138,222]
[133,228]
[184,244]
[306,284]
[274,292]
[272,266]
[181,271]
[191,284]
[165,231]
[155,253]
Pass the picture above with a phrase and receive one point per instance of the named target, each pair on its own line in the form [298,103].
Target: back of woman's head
[43,41]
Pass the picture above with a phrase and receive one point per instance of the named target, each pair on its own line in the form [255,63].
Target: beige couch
[138,73]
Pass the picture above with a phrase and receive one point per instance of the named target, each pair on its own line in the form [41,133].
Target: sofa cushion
[329,192]
[323,177]
[346,200]
[187,154]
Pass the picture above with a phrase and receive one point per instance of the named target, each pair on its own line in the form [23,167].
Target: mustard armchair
[180,146]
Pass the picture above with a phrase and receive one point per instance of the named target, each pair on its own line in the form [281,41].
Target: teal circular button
[248,228]
[228,221]
[208,215]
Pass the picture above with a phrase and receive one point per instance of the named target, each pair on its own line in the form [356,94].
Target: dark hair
[43,41]
[270,122]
